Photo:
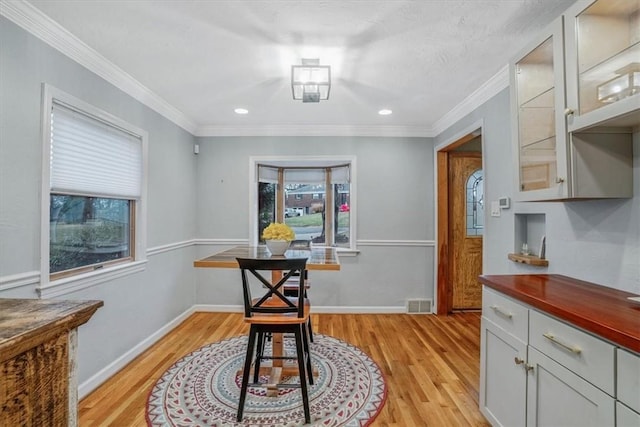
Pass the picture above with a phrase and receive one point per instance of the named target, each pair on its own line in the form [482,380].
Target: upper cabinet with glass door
[603,63]
[559,153]
[538,125]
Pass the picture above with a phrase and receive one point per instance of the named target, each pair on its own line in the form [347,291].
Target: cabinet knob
[528,367]
[568,112]
[518,361]
[559,180]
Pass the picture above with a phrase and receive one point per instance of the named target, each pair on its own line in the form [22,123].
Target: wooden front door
[466,215]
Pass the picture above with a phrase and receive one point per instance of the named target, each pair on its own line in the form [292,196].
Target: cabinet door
[558,397]
[625,417]
[538,121]
[603,71]
[502,376]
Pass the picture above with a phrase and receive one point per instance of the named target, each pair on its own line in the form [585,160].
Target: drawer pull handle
[554,340]
[501,312]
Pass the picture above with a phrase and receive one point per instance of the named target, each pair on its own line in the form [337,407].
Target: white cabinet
[628,379]
[625,417]
[558,397]
[536,370]
[503,382]
[503,355]
[538,124]
[603,63]
[586,355]
[568,135]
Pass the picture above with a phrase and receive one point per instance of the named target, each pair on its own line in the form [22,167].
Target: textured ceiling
[205,58]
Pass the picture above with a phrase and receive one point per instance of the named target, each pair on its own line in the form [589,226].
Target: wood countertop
[25,322]
[603,311]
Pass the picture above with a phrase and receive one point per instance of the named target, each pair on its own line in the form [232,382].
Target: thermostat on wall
[504,202]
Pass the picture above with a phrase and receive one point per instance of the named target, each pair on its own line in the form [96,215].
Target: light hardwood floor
[431,364]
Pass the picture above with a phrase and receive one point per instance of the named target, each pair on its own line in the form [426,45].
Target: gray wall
[206,197]
[394,202]
[135,306]
[595,240]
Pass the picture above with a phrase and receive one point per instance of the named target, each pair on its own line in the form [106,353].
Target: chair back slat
[265,304]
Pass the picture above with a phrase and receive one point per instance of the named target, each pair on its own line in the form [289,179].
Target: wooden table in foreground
[318,258]
[38,341]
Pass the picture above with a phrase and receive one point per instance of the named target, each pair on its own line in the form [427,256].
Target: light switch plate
[495,208]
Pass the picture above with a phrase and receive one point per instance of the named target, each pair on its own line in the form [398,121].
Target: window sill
[347,252]
[67,285]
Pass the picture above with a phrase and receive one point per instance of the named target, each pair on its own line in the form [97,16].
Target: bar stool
[275,313]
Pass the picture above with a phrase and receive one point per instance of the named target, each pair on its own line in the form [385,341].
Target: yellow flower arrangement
[278,231]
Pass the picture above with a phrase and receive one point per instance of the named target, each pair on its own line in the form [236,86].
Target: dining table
[318,258]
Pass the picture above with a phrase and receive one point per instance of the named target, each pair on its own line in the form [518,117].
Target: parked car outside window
[289,212]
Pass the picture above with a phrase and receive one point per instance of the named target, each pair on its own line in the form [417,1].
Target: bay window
[314,197]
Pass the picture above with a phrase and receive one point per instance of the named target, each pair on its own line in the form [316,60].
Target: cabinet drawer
[628,379]
[588,356]
[511,316]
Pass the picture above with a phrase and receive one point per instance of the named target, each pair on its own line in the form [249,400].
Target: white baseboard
[211,308]
[111,369]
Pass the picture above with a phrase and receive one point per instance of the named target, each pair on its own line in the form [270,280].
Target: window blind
[267,174]
[304,176]
[91,157]
[341,174]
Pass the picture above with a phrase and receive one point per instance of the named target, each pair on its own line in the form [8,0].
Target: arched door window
[475,203]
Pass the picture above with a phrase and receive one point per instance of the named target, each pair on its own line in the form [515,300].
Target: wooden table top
[318,258]
[22,321]
[601,310]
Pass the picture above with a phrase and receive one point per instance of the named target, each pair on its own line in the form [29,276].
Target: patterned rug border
[192,354]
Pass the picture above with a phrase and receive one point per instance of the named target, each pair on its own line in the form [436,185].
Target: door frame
[443,292]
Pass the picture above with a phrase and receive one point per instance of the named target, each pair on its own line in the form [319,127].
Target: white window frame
[52,288]
[311,161]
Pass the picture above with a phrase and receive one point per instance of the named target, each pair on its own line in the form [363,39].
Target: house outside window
[94,185]
[313,197]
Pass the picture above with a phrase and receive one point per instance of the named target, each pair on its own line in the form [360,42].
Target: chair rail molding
[18,280]
[421,243]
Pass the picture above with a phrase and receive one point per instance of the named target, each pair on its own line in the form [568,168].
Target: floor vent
[419,306]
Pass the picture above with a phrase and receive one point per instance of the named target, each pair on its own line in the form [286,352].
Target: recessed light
[385,112]
[241,111]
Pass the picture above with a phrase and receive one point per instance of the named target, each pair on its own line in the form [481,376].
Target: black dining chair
[273,313]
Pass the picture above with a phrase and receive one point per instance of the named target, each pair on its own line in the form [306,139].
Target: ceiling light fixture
[310,82]
[385,112]
[241,111]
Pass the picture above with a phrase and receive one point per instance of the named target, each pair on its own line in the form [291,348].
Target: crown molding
[41,26]
[488,90]
[315,130]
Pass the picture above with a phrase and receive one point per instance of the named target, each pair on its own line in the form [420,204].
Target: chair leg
[245,372]
[259,354]
[301,369]
[307,353]
[310,330]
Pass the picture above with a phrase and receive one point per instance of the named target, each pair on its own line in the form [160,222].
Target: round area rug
[203,389]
